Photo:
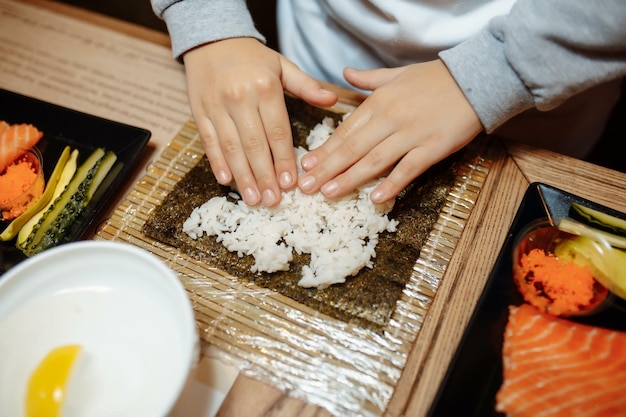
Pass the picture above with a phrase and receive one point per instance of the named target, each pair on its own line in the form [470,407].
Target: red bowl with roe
[21,184]
[555,286]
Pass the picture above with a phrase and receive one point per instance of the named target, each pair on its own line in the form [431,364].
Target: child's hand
[235,89]
[415,117]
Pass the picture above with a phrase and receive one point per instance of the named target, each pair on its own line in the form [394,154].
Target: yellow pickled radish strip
[47,385]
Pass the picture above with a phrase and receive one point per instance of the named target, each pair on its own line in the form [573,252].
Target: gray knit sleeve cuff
[490,84]
[191,23]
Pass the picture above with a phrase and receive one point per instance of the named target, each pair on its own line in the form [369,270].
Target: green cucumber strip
[64,179]
[598,219]
[64,209]
[78,202]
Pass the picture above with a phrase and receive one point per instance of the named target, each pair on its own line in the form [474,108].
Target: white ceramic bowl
[126,308]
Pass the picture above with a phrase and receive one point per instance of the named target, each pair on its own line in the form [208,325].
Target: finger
[371,79]
[412,165]
[257,151]
[345,132]
[278,130]
[361,144]
[302,85]
[235,155]
[260,116]
[373,165]
[213,150]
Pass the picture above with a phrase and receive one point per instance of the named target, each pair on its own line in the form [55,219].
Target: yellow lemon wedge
[47,385]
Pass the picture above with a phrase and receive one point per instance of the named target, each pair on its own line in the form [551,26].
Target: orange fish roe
[555,286]
[21,184]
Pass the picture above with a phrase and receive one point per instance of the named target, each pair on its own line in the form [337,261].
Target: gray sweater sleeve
[191,23]
[539,55]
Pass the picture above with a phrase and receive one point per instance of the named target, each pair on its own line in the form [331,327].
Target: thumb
[370,79]
[300,84]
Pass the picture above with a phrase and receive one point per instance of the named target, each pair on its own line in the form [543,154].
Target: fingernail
[307,182]
[330,188]
[222,177]
[285,180]
[269,198]
[250,196]
[377,196]
[309,162]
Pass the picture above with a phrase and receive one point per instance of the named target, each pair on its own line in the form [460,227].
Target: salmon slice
[3,126]
[554,367]
[16,139]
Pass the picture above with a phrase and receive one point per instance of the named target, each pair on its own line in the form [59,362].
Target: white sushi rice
[340,235]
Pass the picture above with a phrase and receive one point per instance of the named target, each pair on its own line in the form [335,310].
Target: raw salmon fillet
[555,367]
[3,126]
[16,139]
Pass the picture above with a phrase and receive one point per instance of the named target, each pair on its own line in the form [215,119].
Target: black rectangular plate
[475,373]
[62,126]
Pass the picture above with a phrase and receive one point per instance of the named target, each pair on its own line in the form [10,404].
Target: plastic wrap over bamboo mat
[346,368]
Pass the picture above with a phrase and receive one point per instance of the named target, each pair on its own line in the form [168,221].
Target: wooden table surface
[514,168]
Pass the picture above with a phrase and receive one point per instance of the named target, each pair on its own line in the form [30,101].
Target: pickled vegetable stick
[64,177]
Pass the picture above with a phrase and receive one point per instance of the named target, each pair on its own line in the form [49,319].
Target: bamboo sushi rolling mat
[344,368]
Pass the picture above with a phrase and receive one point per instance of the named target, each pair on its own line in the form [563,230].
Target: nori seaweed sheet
[366,299]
